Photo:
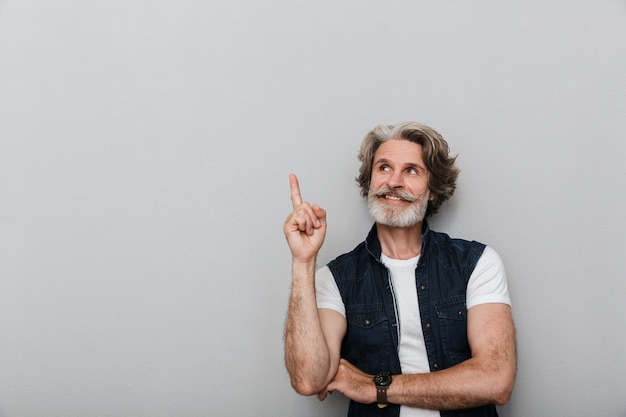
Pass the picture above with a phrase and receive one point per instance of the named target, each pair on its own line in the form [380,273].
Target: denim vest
[371,340]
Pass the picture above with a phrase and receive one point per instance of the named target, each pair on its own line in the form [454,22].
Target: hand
[351,382]
[305,227]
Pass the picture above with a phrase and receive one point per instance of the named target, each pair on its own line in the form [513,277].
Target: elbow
[304,380]
[503,391]
[304,387]
[304,384]
[502,398]
[502,385]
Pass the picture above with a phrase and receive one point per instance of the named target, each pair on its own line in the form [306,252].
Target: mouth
[393,197]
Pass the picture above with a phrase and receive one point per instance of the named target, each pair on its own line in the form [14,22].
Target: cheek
[376,182]
[420,185]
[376,186]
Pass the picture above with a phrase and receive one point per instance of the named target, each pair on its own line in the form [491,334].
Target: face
[399,192]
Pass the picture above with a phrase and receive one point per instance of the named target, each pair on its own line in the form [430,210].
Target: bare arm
[312,336]
[486,378]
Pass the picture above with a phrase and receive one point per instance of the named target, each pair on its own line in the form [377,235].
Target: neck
[400,242]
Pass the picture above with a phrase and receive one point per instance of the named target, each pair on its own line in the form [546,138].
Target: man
[411,322]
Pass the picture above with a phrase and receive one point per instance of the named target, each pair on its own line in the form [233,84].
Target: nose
[395,179]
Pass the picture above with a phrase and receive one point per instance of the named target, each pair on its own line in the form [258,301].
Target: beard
[393,215]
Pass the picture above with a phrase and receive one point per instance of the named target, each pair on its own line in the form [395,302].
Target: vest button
[367,322]
[428,325]
[436,366]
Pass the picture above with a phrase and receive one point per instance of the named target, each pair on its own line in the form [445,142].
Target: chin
[393,216]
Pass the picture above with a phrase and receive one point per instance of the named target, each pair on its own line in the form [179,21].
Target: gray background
[145,148]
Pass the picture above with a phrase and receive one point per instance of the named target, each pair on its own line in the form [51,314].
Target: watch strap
[381,396]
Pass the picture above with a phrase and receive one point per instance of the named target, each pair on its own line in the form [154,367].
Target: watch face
[382,378]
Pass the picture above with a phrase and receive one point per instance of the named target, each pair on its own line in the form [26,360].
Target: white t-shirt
[487,284]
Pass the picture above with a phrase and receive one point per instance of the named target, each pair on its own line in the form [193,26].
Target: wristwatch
[382,381]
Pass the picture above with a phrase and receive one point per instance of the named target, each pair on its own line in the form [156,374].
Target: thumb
[319,212]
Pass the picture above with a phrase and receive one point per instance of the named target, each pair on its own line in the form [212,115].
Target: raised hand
[305,227]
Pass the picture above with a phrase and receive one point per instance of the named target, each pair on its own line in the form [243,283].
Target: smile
[393,197]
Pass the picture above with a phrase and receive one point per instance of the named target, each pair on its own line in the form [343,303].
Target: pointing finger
[296,197]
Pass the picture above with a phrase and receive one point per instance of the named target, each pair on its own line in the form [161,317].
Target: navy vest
[371,340]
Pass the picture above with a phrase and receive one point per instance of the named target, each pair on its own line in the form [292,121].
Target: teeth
[393,197]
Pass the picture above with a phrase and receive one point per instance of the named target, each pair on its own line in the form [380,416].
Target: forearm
[486,378]
[307,356]
[466,385]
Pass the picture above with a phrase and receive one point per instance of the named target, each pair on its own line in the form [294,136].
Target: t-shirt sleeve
[488,283]
[327,292]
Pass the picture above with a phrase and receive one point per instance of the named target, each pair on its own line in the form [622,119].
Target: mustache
[397,193]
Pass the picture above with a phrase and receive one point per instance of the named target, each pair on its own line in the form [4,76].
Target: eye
[385,168]
[412,171]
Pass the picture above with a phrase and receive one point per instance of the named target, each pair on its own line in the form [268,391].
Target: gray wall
[144,154]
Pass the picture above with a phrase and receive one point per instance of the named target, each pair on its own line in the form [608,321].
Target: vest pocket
[452,315]
[366,316]
[367,342]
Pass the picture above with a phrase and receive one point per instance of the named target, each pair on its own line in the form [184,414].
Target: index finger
[296,197]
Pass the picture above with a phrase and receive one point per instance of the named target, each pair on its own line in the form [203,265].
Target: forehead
[400,151]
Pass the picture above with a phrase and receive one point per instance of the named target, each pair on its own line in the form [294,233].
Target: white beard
[396,216]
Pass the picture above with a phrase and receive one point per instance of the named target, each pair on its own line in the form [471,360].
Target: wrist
[303,267]
[303,273]
[382,381]
[304,263]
